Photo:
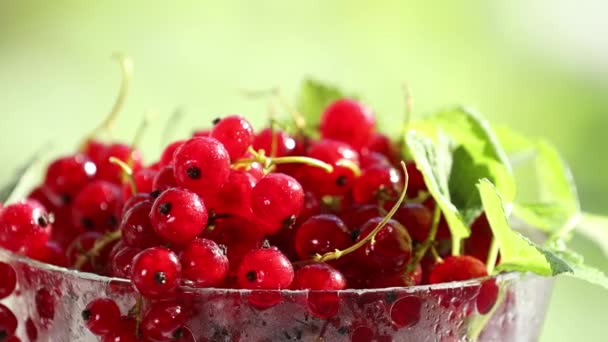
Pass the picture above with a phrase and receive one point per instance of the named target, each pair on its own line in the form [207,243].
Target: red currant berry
[276,201]
[405,312]
[488,294]
[397,278]
[392,248]
[235,196]
[133,201]
[284,144]
[166,158]
[8,280]
[478,244]
[95,207]
[82,245]
[45,304]
[121,260]
[164,322]
[111,172]
[235,133]
[51,253]
[457,268]
[8,322]
[101,316]
[318,277]
[416,218]
[348,121]
[66,176]
[204,263]
[143,182]
[165,179]
[265,268]
[376,183]
[382,144]
[202,165]
[415,181]
[369,159]
[30,329]
[178,216]
[136,228]
[156,272]
[125,331]
[340,180]
[321,234]
[24,226]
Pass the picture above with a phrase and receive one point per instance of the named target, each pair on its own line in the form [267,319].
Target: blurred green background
[540,67]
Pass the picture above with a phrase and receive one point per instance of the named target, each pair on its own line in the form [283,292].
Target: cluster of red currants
[231,208]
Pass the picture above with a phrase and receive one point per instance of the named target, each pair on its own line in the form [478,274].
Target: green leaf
[544,216]
[517,253]
[595,228]
[314,96]
[434,160]
[477,155]
[579,269]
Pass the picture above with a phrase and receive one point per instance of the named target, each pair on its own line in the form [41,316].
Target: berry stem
[269,162]
[371,238]
[428,243]
[492,255]
[127,172]
[99,245]
[127,70]
[456,244]
[350,165]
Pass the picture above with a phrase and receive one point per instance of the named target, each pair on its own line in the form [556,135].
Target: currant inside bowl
[48,303]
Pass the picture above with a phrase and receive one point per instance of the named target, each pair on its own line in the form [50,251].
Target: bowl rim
[10,256]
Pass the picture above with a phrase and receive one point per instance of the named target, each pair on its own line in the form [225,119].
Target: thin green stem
[424,247]
[456,243]
[99,245]
[371,238]
[492,255]
[127,172]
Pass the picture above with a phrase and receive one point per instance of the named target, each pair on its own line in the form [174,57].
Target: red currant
[178,216]
[95,207]
[392,248]
[202,165]
[164,322]
[112,172]
[136,228]
[8,322]
[66,176]
[8,280]
[166,158]
[348,121]
[457,268]
[265,268]
[376,182]
[321,234]
[24,226]
[284,144]
[165,179]
[121,260]
[156,272]
[101,316]
[143,182]
[340,180]
[235,196]
[322,277]
[235,133]
[276,201]
[204,263]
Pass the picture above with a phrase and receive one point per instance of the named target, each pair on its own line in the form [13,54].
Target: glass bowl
[49,300]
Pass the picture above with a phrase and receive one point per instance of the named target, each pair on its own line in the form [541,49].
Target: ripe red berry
[416,218]
[178,216]
[325,278]
[265,268]
[45,300]
[381,143]
[204,263]
[165,179]
[121,259]
[321,234]
[235,196]
[143,178]
[340,180]
[66,176]
[136,228]
[369,159]
[111,172]
[51,253]
[24,226]
[95,207]
[8,280]
[348,121]
[276,201]
[235,133]
[267,138]
[156,272]
[488,294]
[133,201]
[8,322]
[376,182]
[202,165]
[164,322]
[415,182]
[392,248]
[457,268]
[478,244]
[81,245]
[101,316]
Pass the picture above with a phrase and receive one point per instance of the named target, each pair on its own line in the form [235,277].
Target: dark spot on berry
[264,323]
[390,297]
[3,335]
[223,248]
[65,199]
[178,333]
[251,276]
[265,243]
[155,193]
[160,278]
[287,336]
[86,314]
[87,223]
[289,222]
[42,221]
[299,334]
[193,172]
[216,121]
[112,221]
[341,180]
[164,208]
[343,330]
[354,234]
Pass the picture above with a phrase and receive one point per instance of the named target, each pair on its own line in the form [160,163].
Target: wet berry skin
[348,121]
[284,143]
[156,272]
[95,207]
[318,277]
[201,165]
[24,226]
[101,316]
[276,201]
[457,268]
[393,246]
[321,234]
[178,216]
[66,176]
[265,268]
[164,322]
[8,279]
[8,322]
[136,228]
[235,133]
[341,179]
[204,263]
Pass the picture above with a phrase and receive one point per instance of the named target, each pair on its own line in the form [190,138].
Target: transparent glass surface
[49,300]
